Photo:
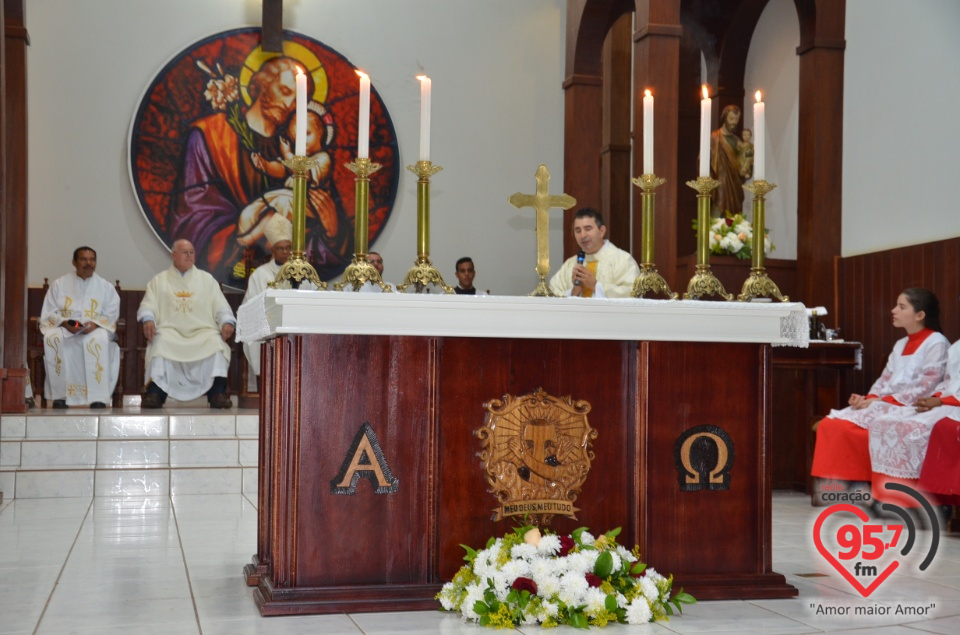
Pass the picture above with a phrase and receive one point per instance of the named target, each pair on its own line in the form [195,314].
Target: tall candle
[301,141]
[647,132]
[425,89]
[705,133]
[759,138]
[363,121]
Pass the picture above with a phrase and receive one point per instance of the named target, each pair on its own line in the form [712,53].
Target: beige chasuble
[616,271]
[185,309]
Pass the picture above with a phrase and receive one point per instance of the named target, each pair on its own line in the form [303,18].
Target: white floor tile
[122,564]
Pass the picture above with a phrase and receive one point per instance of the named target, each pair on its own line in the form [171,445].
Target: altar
[369,475]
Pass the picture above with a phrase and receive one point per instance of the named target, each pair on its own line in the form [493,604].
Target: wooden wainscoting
[867,289]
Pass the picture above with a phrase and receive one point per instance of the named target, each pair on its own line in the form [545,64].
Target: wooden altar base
[321,550]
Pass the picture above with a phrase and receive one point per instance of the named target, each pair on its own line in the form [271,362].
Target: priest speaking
[606,271]
[187,322]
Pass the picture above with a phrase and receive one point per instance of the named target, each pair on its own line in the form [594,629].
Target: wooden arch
[666,42]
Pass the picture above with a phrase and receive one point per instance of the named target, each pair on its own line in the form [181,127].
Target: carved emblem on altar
[364,459]
[536,453]
[704,457]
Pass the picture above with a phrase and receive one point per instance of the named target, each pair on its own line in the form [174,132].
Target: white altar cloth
[289,312]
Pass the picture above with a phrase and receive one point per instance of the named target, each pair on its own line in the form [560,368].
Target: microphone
[580,258]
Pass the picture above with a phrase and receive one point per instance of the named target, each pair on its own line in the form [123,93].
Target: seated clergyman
[79,324]
[605,272]
[279,233]
[187,322]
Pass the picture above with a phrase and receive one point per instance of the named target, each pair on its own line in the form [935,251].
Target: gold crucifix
[542,201]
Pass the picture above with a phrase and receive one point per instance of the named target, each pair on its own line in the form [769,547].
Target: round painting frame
[220,102]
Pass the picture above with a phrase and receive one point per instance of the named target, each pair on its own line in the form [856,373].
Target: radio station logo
[866,551]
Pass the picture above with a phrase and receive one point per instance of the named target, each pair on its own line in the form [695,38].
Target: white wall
[774,68]
[496,65]
[901,75]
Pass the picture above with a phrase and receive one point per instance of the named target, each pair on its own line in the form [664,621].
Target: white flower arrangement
[732,235]
[531,578]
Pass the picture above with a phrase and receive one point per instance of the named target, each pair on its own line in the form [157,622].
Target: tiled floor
[173,565]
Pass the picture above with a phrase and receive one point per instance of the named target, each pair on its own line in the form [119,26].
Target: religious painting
[536,451]
[209,135]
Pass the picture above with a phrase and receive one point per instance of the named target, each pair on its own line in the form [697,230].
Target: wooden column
[819,191]
[615,171]
[656,66]
[14,206]
[3,173]
[582,129]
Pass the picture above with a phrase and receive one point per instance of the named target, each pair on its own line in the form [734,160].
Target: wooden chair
[38,374]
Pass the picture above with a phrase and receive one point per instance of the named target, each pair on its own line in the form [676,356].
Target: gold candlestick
[423,272]
[297,269]
[704,283]
[759,285]
[360,271]
[649,281]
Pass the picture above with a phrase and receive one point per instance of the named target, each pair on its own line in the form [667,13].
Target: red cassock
[940,474]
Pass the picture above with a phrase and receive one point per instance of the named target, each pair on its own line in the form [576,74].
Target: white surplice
[81,368]
[905,379]
[899,438]
[259,279]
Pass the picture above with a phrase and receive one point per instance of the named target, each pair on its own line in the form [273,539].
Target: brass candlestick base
[759,285]
[704,283]
[359,272]
[649,281]
[295,271]
[423,272]
[297,268]
[543,289]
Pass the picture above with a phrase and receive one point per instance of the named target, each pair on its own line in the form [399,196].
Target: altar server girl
[914,370]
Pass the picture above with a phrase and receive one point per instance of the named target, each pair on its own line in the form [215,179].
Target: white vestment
[81,368]
[616,273]
[905,379]
[899,438]
[259,279]
[188,350]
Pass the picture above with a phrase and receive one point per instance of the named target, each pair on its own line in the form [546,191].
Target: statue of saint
[725,163]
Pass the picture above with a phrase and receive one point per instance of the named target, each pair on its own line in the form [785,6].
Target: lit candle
[759,138]
[647,132]
[363,121]
[301,141]
[705,133]
[425,88]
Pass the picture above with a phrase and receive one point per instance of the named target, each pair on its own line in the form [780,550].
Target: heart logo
[862,515]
